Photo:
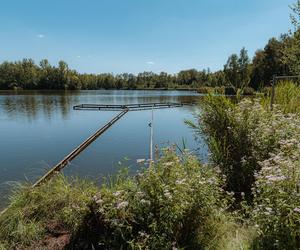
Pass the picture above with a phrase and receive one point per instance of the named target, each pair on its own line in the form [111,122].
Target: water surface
[38,128]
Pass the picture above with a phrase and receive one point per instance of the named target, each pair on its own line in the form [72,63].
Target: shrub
[256,147]
[239,136]
[277,197]
[176,203]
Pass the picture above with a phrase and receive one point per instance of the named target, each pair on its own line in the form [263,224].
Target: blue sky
[117,36]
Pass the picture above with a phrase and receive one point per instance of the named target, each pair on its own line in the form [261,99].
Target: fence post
[273,92]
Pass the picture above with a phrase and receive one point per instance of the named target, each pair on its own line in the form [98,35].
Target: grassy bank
[247,197]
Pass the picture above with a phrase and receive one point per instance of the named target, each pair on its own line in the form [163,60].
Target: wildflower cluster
[258,151]
[277,197]
[167,206]
[239,136]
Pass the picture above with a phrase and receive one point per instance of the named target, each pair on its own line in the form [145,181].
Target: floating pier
[130,107]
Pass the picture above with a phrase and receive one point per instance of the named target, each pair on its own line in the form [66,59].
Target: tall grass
[61,201]
[287,97]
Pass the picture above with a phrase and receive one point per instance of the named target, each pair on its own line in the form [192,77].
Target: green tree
[237,70]
[231,70]
[244,69]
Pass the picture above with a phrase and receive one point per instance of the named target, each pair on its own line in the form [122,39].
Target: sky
[96,36]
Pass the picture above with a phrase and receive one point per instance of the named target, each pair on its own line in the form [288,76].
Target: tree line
[26,74]
[281,56]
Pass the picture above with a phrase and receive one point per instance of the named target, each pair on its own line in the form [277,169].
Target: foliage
[26,74]
[239,137]
[237,71]
[175,203]
[277,200]
[295,16]
[287,96]
[258,149]
[211,90]
[62,201]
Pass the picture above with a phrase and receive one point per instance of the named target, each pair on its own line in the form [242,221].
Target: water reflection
[32,105]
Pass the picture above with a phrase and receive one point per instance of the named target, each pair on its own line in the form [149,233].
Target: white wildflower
[117,194]
[122,205]
[270,210]
[146,202]
[297,210]
[167,194]
[275,178]
[180,182]
[167,164]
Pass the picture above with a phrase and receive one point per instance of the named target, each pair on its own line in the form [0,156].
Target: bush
[173,204]
[257,148]
[239,136]
[277,197]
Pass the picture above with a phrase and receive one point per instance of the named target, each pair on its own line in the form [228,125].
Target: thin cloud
[78,56]
[150,63]
[40,36]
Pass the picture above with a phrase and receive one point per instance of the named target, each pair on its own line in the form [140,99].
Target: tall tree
[231,70]
[244,69]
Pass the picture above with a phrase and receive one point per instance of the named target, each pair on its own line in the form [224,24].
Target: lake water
[37,129]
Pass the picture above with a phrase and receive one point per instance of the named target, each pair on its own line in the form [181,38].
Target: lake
[38,128]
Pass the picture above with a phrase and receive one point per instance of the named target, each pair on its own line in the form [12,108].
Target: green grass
[287,97]
[61,200]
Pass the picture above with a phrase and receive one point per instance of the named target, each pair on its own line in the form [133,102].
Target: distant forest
[280,56]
